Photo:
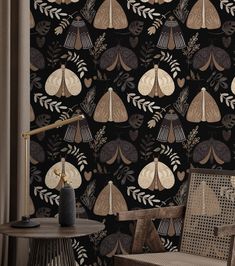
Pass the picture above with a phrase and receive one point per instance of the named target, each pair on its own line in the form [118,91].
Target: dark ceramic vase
[67,206]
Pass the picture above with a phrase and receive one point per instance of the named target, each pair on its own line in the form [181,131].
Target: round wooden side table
[51,244]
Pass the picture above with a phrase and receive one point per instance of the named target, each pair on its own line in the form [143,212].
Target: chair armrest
[153,213]
[225,230]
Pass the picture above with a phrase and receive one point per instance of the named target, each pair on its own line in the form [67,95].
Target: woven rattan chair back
[211,202]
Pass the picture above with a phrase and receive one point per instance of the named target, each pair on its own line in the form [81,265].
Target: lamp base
[25,222]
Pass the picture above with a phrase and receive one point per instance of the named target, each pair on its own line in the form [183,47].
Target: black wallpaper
[171,107]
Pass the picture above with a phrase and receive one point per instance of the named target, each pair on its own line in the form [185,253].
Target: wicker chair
[205,239]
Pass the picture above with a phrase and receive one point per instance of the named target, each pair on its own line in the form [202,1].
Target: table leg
[51,252]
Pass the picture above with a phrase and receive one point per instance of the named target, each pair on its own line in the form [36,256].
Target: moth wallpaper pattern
[155,82]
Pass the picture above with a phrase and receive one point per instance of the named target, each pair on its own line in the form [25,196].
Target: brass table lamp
[25,221]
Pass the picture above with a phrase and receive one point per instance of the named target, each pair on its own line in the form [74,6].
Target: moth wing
[118,16]
[109,245]
[221,152]
[163,227]
[221,58]
[128,59]
[78,135]
[202,59]
[205,201]
[101,113]
[128,151]
[118,201]
[73,82]
[101,20]
[53,82]
[165,176]
[32,21]
[165,82]
[74,177]
[31,206]
[146,82]
[233,86]
[71,132]
[109,59]
[108,151]
[147,175]
[195,111]
[178,225]
[101,206]
[195,17]
[32,115]
[125,242]
[202,151]
[212,111]
[118,109]
[212,19]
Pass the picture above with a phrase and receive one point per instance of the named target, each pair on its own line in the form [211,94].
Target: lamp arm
[26,136]
[54,125]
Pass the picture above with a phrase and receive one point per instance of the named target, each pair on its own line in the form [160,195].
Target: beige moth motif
[32,21]
[233,86]
[110,108]
[156,176]
[54,180]
[110,15]
[204,201]
[63,82]
[63,1]
[203,15]
[110,201]
[156,82]
[156,1]
[32,115]
[203,108]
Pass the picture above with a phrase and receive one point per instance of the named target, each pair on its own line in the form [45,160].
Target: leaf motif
[49,10]
[141,103]
[141,197]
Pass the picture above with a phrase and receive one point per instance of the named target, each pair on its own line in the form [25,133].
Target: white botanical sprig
[62,26]
[155,119]
[168,244]
[49,10]
[81,253]
[142,10]
[228,99]
[175,66]
[80,63]
[46,195]
[142,197]
[64,116]
[229,6]
[141,103]
[168,151]
[49,103]
[75,151]
[157,23]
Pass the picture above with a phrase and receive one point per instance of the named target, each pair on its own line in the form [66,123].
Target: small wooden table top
[50,228]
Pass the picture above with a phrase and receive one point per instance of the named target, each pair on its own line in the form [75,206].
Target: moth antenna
[165,15]
[74,13]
